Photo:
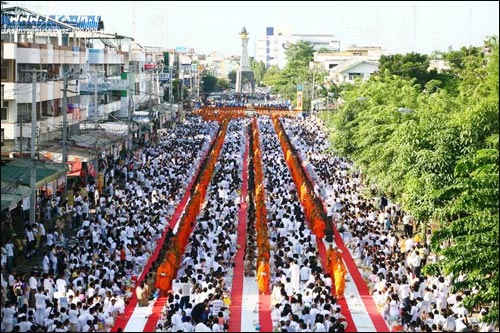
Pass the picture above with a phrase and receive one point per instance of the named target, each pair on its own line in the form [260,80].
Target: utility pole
[96,110]
[65,123]
[33,146]
[131,108]
[150,103]
[65,129]
[20,116]
[33,151]
[312,91]
[170,88]
[179,86]
[96,103]
[129,127]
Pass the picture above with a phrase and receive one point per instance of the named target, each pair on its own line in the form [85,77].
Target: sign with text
[28,21]
[88,88]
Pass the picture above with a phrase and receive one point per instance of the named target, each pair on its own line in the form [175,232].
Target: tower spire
[244,71]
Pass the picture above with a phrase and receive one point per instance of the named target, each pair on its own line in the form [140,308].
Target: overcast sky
[206,26]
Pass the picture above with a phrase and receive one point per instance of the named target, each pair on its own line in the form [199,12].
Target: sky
[207,26]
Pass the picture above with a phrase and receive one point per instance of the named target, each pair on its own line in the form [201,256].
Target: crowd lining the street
[83,284]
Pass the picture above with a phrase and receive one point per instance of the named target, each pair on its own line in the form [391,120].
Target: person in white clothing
[202,327]
[295,275]
[40,305]
[8,317]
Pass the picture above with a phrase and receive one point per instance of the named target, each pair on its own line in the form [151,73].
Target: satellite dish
[286,45]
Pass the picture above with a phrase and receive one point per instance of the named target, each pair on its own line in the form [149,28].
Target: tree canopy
[296,71]
[434,149]
[259,70]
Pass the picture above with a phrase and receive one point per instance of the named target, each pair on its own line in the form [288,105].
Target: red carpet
[377,319]
[237,288]
[129,309]
[155,315]
[265,322]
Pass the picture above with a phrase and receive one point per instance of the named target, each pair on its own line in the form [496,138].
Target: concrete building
[216,64]
[272,47]
[350,64]
[72,47]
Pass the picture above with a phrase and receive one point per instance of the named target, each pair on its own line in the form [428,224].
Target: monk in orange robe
[164,277]
[331,257]
[339,273]
[319,228]
[263,273]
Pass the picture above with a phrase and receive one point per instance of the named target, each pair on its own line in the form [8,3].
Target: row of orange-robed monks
[168,268]
[335,267]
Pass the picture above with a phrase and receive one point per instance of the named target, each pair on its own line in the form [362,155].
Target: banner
[299,101]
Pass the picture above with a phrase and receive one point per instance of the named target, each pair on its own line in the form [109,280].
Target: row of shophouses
[105,90]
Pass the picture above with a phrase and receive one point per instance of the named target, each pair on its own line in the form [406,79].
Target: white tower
[245,70]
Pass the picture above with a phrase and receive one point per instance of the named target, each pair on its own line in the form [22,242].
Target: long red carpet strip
[237,288]
[377,319]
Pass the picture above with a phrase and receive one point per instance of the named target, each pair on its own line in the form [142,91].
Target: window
[2,137]
[353,76]
[24,112]
[24,74]
[8,66]
[3,114]
[270,31]
[330,66]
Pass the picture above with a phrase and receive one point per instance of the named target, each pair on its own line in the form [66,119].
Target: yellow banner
[299,100]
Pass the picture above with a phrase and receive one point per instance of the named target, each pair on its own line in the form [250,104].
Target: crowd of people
[199,299]
[301,297]
[382,239]
[84,285]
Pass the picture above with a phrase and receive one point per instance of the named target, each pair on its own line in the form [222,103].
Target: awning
[18,171]
[74,154]
[97,139]
[8,199]
[13,193]
[75,168]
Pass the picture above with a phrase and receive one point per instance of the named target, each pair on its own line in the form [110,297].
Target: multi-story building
[218,65]
[78,77]
[272,48]
[72,48]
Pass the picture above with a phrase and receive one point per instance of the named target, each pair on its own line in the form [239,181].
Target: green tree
[439,160]
[222,84]
[296,71]
[408,66]
[209,83]
[273,76]
[232,77]
[259,70]
[469,234]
